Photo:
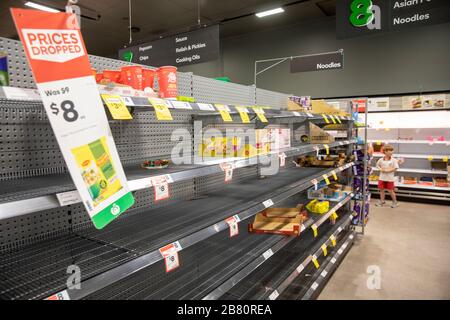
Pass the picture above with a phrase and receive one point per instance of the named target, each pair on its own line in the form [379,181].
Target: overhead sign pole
[301,57]
[58,59]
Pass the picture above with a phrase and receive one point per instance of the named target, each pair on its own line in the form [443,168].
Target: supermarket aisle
[410,244]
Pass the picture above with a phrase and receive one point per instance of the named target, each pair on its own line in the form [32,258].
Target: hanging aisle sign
[367,17]
[59,61]
[318,62]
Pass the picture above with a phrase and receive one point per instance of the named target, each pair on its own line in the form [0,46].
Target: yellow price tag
[314,229]
[334,216]
[325,177]
[223,110]
[332,118]
[338,119]
[430,158]
[161,109]
[243,112]
[324,249]
[325,118]
[260,113]
[445,159]
[316,263]
[327,148]
[117,107]
[334,175]
[378,143]
[333,240]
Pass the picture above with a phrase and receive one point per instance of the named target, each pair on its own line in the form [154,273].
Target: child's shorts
[386,185]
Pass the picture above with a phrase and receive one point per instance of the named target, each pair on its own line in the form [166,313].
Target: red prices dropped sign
[60,64]
[53,44]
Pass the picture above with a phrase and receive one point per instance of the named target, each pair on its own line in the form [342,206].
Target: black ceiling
[106,27]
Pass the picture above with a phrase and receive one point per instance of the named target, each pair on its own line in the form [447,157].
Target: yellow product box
[220,147]
[96,167]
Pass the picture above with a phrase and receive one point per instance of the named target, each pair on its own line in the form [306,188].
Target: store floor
[409,244]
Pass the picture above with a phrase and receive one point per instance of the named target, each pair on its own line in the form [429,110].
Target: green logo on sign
[127,56]
[362,13]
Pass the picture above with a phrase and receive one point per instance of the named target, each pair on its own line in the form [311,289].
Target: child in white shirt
[387,166]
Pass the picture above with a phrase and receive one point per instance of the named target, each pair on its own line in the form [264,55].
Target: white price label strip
[14,93]
[310,115]
[75,111]
[300,268]
[274,295]
[268,254]
[128,101]
[324,273]
[206,107]
[140,184]
[181,105]
[333,261]
[67,198]
[268,203]
[314,286]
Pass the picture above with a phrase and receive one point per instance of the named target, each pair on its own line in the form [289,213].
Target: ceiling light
[269,12]
[40,7]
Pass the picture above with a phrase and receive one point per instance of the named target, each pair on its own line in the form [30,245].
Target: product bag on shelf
[358,170]
[358,183]
[359,155]
[317,206]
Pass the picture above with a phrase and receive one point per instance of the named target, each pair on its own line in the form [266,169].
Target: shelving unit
[446,143]
[414,156]
[425,171]
[44,227]
[33,194]
[420,143]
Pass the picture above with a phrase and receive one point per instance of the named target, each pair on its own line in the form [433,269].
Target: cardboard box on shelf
[441,182]
[285,221]
[317,135]
[293,106]
[321,106]
[299,103]
[312,161]
[438,165]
